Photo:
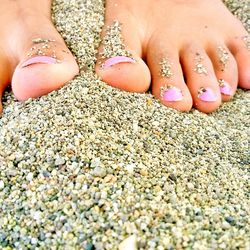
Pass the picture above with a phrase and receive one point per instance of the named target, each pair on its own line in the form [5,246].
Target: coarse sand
[89,166]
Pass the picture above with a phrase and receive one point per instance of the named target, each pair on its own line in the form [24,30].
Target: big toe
[119,62]
[45,66]
[125,73]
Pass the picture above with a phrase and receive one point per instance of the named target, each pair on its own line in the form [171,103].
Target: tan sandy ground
[87,166]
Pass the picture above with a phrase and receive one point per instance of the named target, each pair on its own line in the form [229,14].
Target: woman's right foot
[33,55]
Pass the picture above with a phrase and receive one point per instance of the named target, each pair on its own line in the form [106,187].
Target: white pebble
[135,126]
[225,225]
[34,241]
[160,248]
[129,244]
[84,187]
[99,172]
[59,161]
[1,185]
[85,91]
[37,216]
[190,186]
[29,177]
[95,163]
[130,168]
[187,121]
[155,123]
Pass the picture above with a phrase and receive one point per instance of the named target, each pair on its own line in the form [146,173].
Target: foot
[191,53]
[33,56]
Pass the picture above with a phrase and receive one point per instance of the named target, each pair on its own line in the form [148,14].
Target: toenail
[171,94]
[39,59]
[225,87]
[117,59]
[207,95]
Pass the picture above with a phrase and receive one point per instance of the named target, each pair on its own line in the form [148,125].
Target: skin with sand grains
[35,57]
[89,165]
[206,60]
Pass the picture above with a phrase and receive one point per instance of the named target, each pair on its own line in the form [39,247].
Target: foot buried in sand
[202,51]
[40,62]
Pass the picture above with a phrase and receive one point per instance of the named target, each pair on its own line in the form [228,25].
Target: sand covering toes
[88,166]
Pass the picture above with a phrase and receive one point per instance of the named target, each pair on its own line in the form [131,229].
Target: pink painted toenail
[39,59]
[207,95]
[117,59]
[171,94]
[225,87]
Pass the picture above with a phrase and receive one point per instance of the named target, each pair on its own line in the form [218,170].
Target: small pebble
[29,177]
[90,246]
[59,161]
[144,172]
[225,225]
[173,178]
[34,241]
[1,185]
[99,172]
[230,220]
[129,243]
[130,168]
[190,186]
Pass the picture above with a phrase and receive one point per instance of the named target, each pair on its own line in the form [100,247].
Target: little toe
[240,47]
[200,78]
[119,62]
[168,84]
[226,71]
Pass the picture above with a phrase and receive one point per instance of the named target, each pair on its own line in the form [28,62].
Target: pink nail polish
[39,59]
[225,87]
[207,95]
[171,94]
[117,59]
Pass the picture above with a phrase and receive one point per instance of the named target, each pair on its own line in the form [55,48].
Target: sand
[90,166]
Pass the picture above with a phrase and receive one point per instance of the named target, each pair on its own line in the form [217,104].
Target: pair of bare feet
[191,53]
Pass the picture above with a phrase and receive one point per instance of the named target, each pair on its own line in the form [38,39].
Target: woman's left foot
[195,52]
[33,55]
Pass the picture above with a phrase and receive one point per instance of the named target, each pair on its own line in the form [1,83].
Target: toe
[200,78]
[240,47]
[126,73]
[225,68]
[168,84]
[47,67]
[119,62]
[4,77]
